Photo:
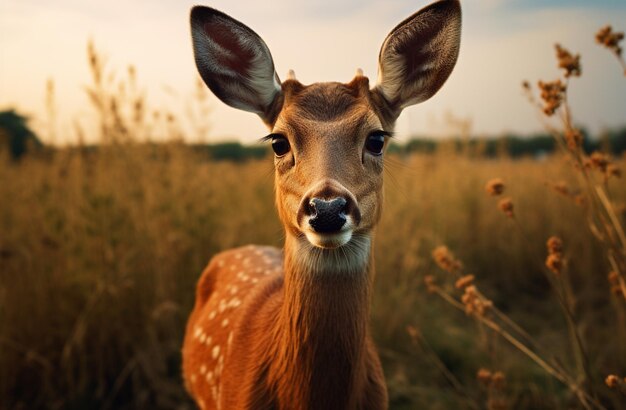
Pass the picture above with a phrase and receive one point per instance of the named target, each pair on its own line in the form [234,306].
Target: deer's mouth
[330,240]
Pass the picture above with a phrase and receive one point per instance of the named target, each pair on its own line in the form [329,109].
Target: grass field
[101,247]
[100,251]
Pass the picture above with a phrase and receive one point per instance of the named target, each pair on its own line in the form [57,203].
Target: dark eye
[280,145]
[375,143]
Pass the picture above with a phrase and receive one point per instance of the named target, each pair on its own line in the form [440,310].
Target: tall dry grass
[592,174]
[101,251]
[100,248]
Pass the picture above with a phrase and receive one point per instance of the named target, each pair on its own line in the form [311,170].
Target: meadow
[101,251]
[101,247]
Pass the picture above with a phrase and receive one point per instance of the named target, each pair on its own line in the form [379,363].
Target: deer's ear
[235,63]
[419,54]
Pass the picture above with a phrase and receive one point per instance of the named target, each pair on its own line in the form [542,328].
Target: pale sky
[503,43]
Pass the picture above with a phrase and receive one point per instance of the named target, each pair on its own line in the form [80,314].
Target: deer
[288,329]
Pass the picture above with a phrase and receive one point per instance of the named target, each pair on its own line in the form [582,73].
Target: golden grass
[101,250]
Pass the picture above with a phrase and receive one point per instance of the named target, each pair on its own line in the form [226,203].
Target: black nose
[327,216]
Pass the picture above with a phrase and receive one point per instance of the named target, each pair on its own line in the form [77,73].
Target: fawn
[288,329]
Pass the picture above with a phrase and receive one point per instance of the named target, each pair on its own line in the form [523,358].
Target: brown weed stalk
[610,39]
[476,305]
[594,171]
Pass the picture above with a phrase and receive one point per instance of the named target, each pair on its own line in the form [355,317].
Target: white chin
[329,241]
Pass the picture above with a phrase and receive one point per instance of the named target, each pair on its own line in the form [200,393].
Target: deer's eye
[280,145]
[375,143]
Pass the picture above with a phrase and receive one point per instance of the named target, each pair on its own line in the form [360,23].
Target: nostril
[327,215]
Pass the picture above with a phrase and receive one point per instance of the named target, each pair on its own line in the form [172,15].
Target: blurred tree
[15,135]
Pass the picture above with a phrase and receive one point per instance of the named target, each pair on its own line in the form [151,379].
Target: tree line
[18,139]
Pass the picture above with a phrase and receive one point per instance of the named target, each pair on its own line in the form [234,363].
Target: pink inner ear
[230,53]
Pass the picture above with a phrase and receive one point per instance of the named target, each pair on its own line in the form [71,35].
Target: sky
[503,43]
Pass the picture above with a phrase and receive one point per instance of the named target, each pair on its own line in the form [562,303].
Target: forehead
[327,106]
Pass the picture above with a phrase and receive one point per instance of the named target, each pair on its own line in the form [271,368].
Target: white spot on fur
[225,322]
[216,351]
[212,315]
[234,290]
[202,369]
[202,337]
[193,378]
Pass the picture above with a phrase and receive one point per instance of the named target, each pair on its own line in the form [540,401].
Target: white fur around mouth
[330,240]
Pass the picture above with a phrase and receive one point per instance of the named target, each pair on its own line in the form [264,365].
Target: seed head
[612,381]
[464,281]
[574,138]
[554,262]
[599,161]
[431,286]
[610,39]
[568,62]
[552,94]
[506,206]
[554,245]
[495,187]
[474,303]
[484,376]
[446,260]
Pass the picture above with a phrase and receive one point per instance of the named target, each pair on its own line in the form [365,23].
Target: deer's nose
[327,216]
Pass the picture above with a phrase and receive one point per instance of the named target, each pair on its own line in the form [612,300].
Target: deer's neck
[322,326]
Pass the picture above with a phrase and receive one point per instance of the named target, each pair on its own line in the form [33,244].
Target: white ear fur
[234,62]
[418,55]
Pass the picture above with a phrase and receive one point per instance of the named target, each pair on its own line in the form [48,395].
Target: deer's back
[225,295]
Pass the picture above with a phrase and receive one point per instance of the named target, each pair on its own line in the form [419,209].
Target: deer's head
[329,138]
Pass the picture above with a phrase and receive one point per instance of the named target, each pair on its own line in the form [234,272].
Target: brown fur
[299,338]
[299,341]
